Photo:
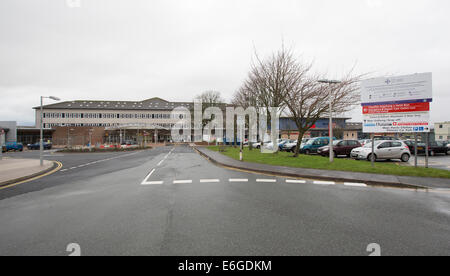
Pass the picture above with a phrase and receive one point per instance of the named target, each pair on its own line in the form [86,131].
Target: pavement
[172,201]
[13,170]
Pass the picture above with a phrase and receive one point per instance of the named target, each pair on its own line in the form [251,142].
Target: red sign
[396,108]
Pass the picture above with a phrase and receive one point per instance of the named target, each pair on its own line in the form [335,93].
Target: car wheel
[334,154]
[307,152]
[405,157]
[432,153]
[369,157]
[258,147]
[293,149]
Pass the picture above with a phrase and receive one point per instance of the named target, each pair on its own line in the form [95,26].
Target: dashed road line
[355,184]
[266,180]
[152,183]
[295,181]
[238,180]
[182,181]
[324,183]
[209,180]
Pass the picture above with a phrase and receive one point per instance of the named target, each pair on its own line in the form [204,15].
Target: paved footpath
[12,169]
[172,201]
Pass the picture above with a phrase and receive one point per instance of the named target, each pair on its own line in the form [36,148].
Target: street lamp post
[331,82]
[41,141]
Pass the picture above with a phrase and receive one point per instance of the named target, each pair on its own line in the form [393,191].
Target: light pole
[331,82]
[41,141]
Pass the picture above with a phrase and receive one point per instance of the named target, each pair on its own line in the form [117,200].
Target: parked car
[314,144]
[411,145]
[280,143]
[292,145]
[437,147]
[384,149]
[340,148]
[258,145]
[13,146]
[364,141]
[37,146]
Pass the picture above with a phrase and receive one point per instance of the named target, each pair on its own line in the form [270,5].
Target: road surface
[171,201]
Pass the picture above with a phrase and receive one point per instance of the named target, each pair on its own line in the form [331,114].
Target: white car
[290,146]
[384,149]
[258,145]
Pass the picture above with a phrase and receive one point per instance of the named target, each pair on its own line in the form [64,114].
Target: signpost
[397,104]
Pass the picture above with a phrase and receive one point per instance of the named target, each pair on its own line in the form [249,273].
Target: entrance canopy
[137,126]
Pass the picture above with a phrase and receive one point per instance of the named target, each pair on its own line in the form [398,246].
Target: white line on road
[296,181]
[64,170]
[209,180]
[266,180]
[182,181]
[152,183]
[238,180]
[160,162]
[355,184]
[147,177]
[324,183]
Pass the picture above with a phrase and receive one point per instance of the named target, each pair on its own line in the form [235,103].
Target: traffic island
[13,171]
[256,164]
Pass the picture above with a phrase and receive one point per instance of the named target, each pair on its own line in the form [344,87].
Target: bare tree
[283,81]
[268,83]
[308,100]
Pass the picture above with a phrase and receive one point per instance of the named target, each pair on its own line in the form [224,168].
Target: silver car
[384,149]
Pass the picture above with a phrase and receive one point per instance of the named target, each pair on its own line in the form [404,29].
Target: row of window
[165,125]
[52,115]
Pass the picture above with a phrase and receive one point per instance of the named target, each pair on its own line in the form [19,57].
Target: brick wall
[78,136]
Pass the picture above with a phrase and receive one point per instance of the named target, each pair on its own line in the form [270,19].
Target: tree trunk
[299,142]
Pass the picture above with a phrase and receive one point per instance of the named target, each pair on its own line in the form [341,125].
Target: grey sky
[133,50]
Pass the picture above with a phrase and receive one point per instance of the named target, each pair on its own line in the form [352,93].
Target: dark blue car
[37,146]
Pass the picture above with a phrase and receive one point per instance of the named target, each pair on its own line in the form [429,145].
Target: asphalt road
[171,201]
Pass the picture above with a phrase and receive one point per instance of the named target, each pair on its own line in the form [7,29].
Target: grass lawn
[340,164]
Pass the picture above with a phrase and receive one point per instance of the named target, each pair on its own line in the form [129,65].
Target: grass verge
[322,163]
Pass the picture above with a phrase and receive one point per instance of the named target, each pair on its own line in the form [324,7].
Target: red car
[340,148]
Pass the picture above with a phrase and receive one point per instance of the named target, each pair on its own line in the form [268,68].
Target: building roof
[149,104]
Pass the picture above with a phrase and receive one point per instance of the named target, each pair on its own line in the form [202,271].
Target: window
[385,145]
[396,144]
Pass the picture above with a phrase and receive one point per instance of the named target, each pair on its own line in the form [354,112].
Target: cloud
[117,49]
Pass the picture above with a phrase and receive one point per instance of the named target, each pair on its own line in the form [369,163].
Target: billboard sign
[397,104]
[397,90]
[396,108]
[398,122]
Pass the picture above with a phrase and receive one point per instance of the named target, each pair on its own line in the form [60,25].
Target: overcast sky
[134,50]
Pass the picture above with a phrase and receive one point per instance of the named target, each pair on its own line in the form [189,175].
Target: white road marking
[153,183]
[182,181]
[160,162]
[324,183]
[238,180]
[266,180]
[147,177]
[209,180]
[73,168]
[355,184]
[296,181]
[64,170]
